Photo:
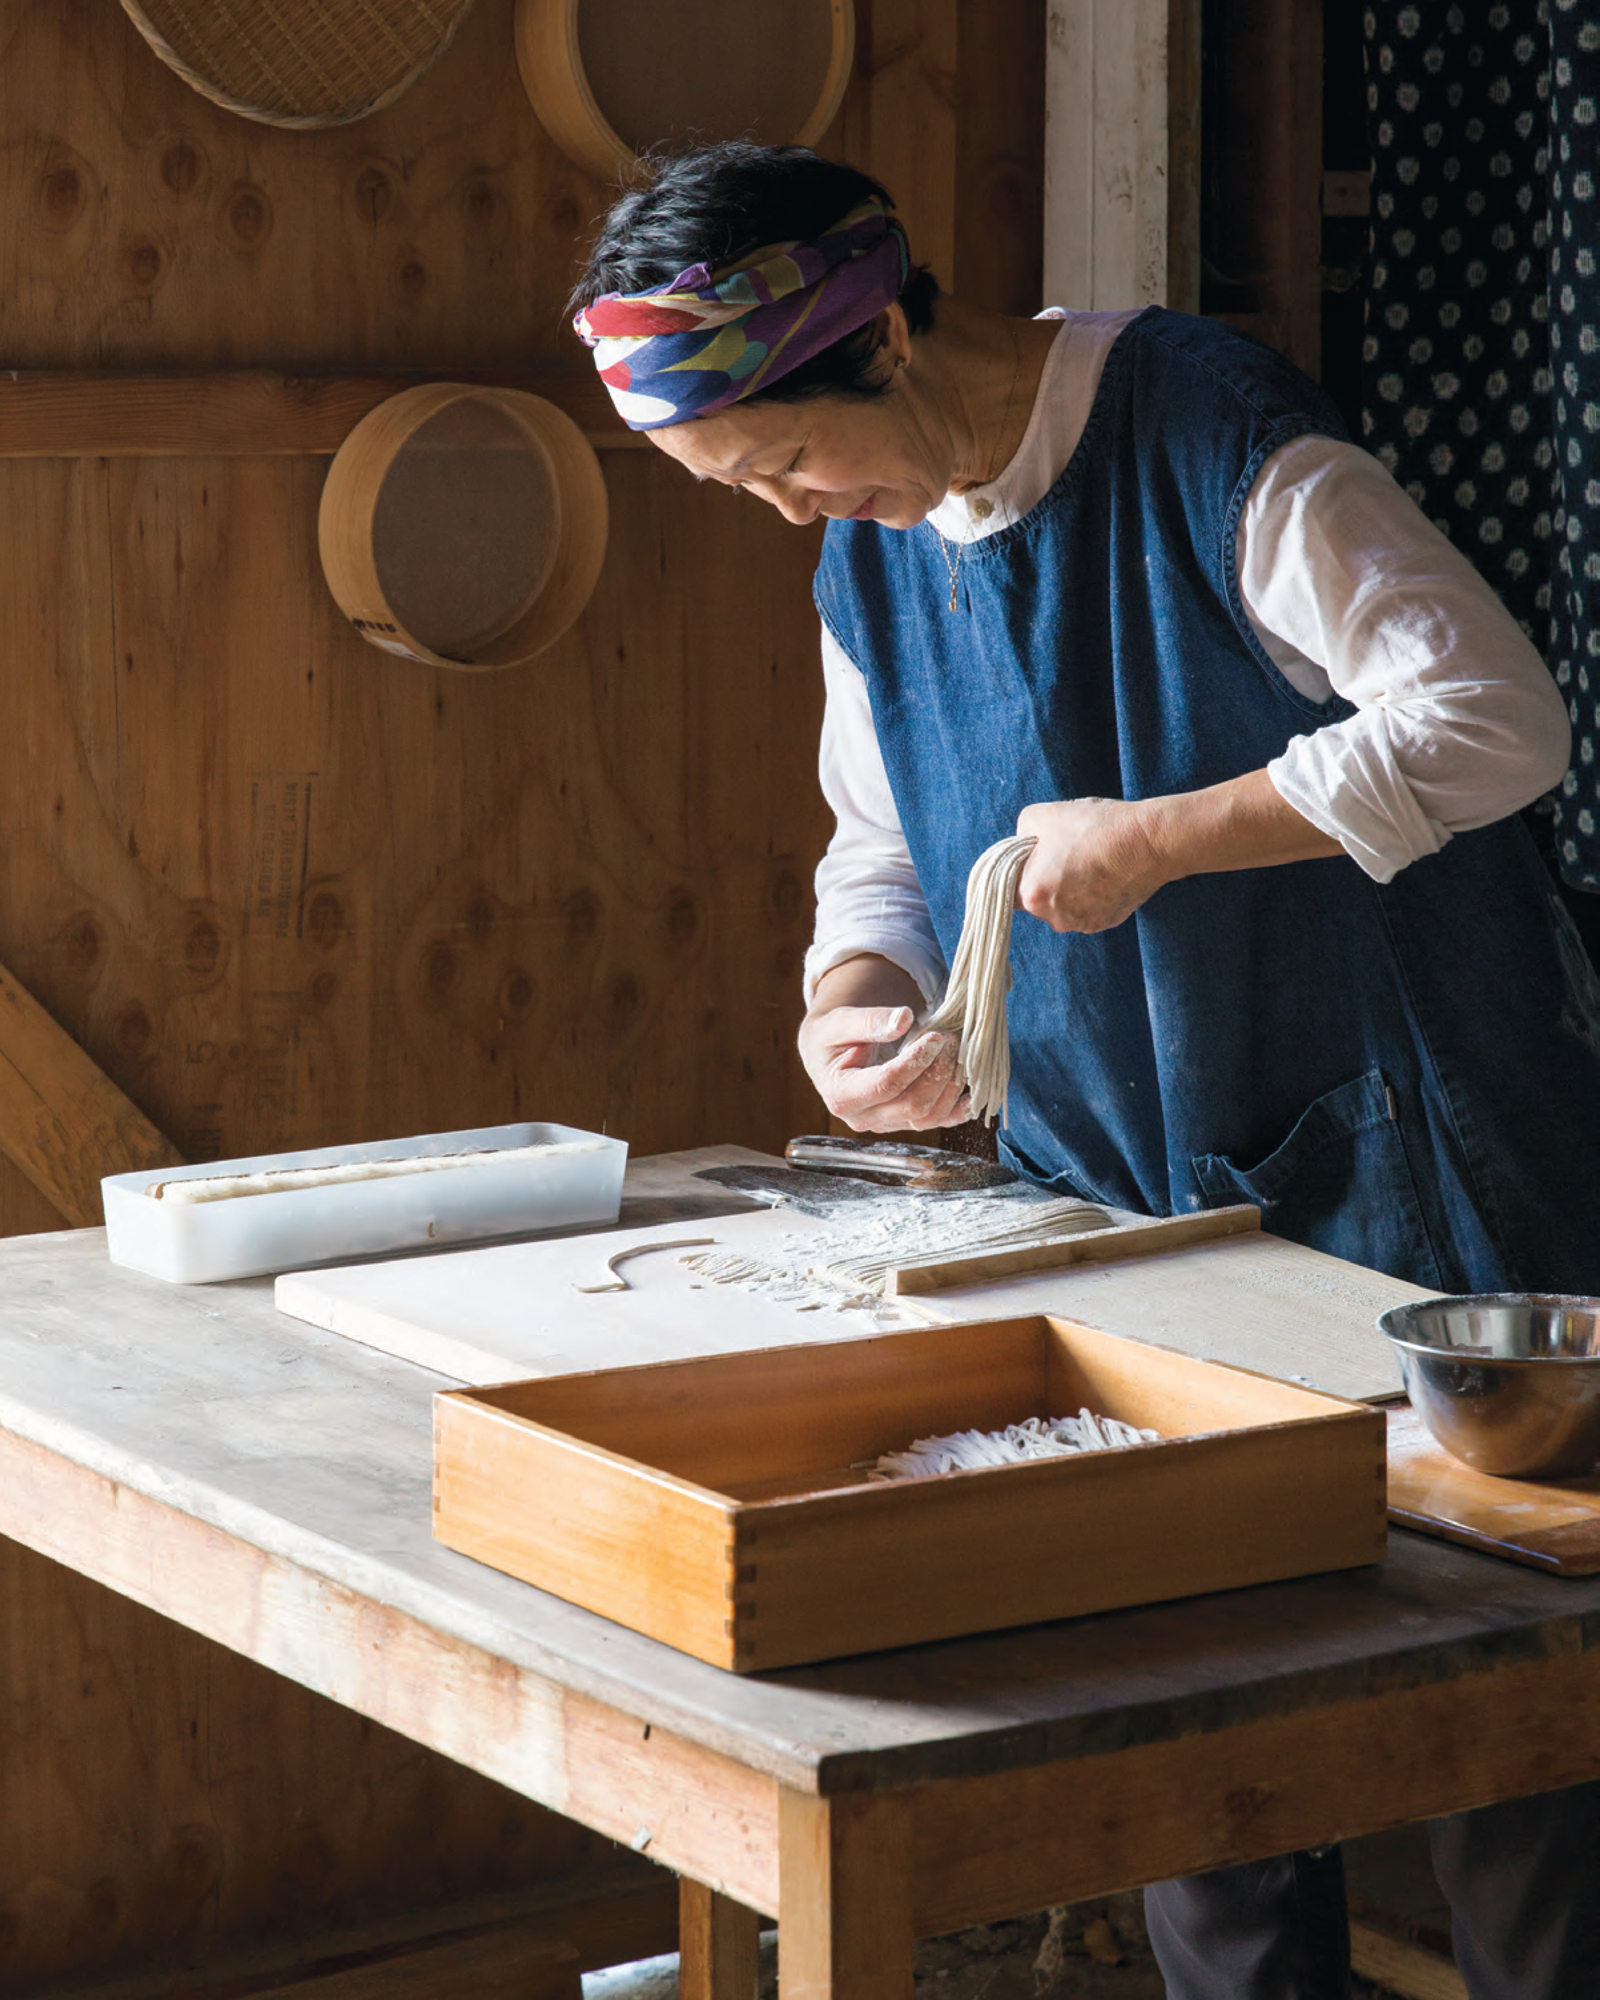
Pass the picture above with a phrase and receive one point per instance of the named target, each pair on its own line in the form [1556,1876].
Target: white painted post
[1106,165]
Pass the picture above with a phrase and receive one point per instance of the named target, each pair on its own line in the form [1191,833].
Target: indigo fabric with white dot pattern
[1481,363]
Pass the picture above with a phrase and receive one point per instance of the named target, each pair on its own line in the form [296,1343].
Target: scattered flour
[803,1290]
[846,1269]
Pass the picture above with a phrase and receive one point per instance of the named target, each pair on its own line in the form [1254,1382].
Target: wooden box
[720,1505]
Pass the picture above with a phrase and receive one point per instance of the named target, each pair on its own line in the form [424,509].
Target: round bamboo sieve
[463,526]
[301,63]
[610,78]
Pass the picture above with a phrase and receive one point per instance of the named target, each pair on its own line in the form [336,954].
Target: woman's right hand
[857,1009]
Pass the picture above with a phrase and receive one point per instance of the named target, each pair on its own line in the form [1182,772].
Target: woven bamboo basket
[299,63]
[463,526]
[611,78]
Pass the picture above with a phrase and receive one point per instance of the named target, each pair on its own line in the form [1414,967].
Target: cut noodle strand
[974,1003]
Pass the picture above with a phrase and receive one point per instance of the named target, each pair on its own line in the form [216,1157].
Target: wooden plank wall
[285,890]
[164,1799]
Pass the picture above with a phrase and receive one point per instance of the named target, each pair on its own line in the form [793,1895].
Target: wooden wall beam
[999,160]
[902,126]
[244,413]
[948,113]
[1183,156]
[1263,227]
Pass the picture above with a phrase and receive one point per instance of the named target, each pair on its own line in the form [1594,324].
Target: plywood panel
[146,226]
[141,1823]
[908,50]
[287,891]
[152,228]
[281,889]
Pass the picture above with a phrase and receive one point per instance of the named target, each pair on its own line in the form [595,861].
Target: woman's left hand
[1098,860]
[1094,864]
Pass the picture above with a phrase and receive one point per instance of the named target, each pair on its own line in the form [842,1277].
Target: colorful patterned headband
[707,341]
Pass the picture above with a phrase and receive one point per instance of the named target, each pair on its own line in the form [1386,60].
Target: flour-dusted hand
[919,1087]
[1099,860]
[1093,866]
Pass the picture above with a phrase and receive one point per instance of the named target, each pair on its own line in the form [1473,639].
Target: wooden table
[267,1484]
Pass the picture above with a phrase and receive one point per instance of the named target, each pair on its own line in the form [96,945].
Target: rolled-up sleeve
[1352,591]
[868,895]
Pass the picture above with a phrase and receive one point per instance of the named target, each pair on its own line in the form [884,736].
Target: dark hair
[716,204]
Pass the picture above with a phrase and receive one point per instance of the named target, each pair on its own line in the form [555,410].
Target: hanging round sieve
[611,78]
[464,526]
[300,63]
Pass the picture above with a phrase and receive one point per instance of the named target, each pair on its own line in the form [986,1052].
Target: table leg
[718,1941]
[844,1887]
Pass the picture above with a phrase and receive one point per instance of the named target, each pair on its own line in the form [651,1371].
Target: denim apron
[1405,1075]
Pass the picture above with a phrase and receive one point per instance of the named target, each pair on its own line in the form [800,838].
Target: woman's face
[888,458]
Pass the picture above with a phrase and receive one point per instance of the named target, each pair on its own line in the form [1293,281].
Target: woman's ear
[894,339]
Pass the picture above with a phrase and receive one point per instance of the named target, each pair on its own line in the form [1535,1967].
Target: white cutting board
[502,1314]
[495,1315]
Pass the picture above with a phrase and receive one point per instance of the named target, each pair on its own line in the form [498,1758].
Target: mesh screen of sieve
[465,528]
[652,81]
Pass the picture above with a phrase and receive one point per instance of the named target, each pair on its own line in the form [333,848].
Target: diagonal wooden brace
[62,1120]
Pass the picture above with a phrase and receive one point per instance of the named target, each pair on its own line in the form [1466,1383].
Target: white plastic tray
[194,1243]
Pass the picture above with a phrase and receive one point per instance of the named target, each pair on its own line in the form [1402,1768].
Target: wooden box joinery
[724,1505]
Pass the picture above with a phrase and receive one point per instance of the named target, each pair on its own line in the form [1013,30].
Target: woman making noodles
[1119,583]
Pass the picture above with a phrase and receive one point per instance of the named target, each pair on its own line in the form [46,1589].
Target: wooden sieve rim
[350,499]
[553,75]
[320,121]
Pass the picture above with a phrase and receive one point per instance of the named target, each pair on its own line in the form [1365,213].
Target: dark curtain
[1481,361]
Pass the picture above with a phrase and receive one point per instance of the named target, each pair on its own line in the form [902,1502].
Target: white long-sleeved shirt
[1349,589]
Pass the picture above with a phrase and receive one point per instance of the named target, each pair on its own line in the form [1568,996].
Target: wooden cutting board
[1549,1526]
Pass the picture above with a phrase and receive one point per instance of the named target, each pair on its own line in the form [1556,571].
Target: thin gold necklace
[954,568]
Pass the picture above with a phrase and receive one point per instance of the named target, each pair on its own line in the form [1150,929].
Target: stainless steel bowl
[1508,1382]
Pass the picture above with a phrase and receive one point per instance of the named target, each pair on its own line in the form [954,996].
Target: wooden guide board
[503,1314]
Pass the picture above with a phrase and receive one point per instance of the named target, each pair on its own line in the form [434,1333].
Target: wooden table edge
[972,1848]
[83,1477]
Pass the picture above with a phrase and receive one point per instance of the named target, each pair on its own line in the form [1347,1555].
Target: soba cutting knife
[888,1163]
[822,1175]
